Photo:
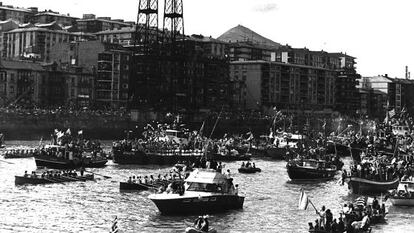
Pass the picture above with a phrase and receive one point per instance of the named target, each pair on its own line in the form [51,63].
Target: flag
[303,200]
[391,113]
[202,129]
[250,135]
[114,228]
[80,132]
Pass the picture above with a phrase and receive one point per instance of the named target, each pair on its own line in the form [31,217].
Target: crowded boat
[69,151]
[201,225]
[249,168]
[50,177]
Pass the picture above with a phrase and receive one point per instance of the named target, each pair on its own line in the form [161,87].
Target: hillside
[241,33]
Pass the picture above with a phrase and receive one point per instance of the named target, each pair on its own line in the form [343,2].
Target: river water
[270,205]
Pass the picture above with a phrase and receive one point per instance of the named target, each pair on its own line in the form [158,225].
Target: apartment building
[92,24]
[109,63]
[261,85]
[20,15]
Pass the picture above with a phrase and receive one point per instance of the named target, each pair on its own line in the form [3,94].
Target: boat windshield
[204,187]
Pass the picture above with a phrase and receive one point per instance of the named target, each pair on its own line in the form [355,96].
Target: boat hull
[364,186]
[249,170]
[194,230]
[21,180]
[53,162]
[134,186]
[199,205]
[276,153]
[304,173]
[402,201]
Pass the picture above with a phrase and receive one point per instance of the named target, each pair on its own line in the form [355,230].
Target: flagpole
[313,205]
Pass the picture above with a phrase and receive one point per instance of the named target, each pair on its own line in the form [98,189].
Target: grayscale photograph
[206,116]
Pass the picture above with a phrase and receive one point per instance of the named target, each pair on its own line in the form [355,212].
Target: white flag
[303,200]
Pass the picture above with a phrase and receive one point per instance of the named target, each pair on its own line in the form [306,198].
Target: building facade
[92,24]
[22,83]
[20,15]
[51,16]
[33,42]
[260,85]
[109,63]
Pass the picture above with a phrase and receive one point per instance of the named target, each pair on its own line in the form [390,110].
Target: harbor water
[271,203]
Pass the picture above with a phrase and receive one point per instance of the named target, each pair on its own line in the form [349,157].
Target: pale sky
[376,32]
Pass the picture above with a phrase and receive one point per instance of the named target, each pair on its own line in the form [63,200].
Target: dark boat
[278,153]
[195,230]
[21,180]
[338,148]
[365,186]
[19,153]
[323,231]
[249,169]
[167,157]
[310,169]
[207,191]
[66,160]
[63,163]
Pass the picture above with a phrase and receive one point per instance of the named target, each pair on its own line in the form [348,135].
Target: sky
[377,32]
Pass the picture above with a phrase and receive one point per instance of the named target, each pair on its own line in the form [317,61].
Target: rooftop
[277,63]
[11,8]
[20,65]
[51,13]
[104,20]
[37,29]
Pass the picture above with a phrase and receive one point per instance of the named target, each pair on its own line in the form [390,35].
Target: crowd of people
[54,174]
[353,218]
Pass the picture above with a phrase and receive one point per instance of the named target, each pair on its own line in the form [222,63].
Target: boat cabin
[290,140]
[205,180]
[408,184]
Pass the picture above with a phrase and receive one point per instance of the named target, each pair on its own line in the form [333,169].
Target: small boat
[19,153]
[21,180]
[205,191]
[365,186]
[62,163]
[249,169]
[310,169]
[195,230]
[404,195]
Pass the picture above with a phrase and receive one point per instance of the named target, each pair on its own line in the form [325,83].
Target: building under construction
[171,71]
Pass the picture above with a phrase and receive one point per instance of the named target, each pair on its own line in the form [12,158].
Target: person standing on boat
[322,215]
